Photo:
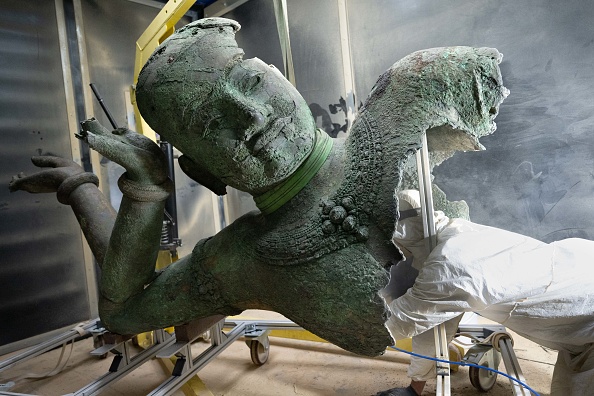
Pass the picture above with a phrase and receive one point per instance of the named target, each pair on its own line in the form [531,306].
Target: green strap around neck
[281,194]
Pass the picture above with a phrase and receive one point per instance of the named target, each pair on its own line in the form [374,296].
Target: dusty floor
[294,367]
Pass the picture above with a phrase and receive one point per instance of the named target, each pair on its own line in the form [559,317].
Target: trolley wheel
[259,352]
[482,380]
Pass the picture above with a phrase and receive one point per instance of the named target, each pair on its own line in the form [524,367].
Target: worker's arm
[435,298]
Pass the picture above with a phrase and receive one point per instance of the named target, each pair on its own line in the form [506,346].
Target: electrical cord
[469,365]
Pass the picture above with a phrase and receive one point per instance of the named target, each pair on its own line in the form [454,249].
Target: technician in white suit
[544,292]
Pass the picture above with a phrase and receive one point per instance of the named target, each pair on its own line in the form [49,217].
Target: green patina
[317,252]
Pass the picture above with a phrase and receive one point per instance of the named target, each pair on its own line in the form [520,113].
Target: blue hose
[470,365]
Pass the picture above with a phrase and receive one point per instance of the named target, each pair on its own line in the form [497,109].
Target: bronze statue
[316,251]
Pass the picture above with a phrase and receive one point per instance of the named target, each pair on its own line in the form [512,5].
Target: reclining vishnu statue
[317,249]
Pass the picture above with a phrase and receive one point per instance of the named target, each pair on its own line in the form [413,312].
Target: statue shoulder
[237,238]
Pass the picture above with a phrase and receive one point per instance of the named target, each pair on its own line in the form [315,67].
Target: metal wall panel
[536,175]
[258,35]
[42,276]
[111,30]
[317,56]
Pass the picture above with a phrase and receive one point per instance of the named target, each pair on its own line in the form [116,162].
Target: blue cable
[470,365]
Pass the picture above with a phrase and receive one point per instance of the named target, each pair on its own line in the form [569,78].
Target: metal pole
[104,106]
[429,231]
[46,346]
[512,366]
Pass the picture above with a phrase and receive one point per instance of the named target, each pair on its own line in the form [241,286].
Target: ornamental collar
[273,199]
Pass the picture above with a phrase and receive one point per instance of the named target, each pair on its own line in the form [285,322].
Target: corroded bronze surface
[318,259]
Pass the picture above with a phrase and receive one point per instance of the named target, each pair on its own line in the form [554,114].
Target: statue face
[252,130]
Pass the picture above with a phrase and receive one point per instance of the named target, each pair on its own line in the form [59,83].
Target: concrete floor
[294,367]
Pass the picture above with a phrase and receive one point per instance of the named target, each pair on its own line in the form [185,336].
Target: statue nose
[254,122]
[257,118]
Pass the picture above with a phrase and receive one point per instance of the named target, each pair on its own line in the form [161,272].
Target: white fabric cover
[544,292]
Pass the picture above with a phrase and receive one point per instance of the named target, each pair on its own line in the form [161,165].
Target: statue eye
[212,124]
[252,82]
[491,83]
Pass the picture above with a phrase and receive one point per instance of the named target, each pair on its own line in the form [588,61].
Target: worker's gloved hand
[47,180]
[409,391]
[143,159]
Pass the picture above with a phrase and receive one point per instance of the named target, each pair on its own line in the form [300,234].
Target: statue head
[237,121]
[453,93]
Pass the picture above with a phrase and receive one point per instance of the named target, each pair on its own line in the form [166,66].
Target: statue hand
[47,180]
[144,161]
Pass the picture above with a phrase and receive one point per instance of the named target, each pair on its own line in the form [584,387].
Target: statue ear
[202,176]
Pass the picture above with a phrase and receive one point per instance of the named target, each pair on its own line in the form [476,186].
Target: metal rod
[171,203]
[443,369]
[426,193]
[265,325]
[46,346]
[429,232]
[94,388]
[512,366]
[104,106]
[175,382]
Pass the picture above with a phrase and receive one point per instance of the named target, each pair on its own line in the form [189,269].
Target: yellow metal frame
[305,335]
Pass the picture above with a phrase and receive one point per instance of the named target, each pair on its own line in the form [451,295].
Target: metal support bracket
[93,326]
[512,366]
[430,233]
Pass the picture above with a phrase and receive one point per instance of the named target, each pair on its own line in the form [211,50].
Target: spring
[165,233]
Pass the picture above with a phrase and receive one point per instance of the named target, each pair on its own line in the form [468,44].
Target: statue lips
[265,136]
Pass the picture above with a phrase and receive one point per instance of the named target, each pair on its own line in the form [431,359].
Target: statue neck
[273,199]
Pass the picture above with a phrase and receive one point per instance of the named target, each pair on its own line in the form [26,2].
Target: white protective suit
[544,292]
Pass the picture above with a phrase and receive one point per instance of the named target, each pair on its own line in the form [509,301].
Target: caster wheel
[482,380]
[259,352]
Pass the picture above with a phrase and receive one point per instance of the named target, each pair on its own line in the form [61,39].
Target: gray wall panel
[317,54]
[536,175]
[258,35]
[42,278]
[111,30]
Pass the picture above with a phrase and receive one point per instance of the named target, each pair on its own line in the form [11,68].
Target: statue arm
[78,189]
[129,263]
[190,289]
[126,244]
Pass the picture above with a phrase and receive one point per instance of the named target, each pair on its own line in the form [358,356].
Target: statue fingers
[143,159]
[36,183]
[93,126]
[143,166]
[49,161]
[56,170]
